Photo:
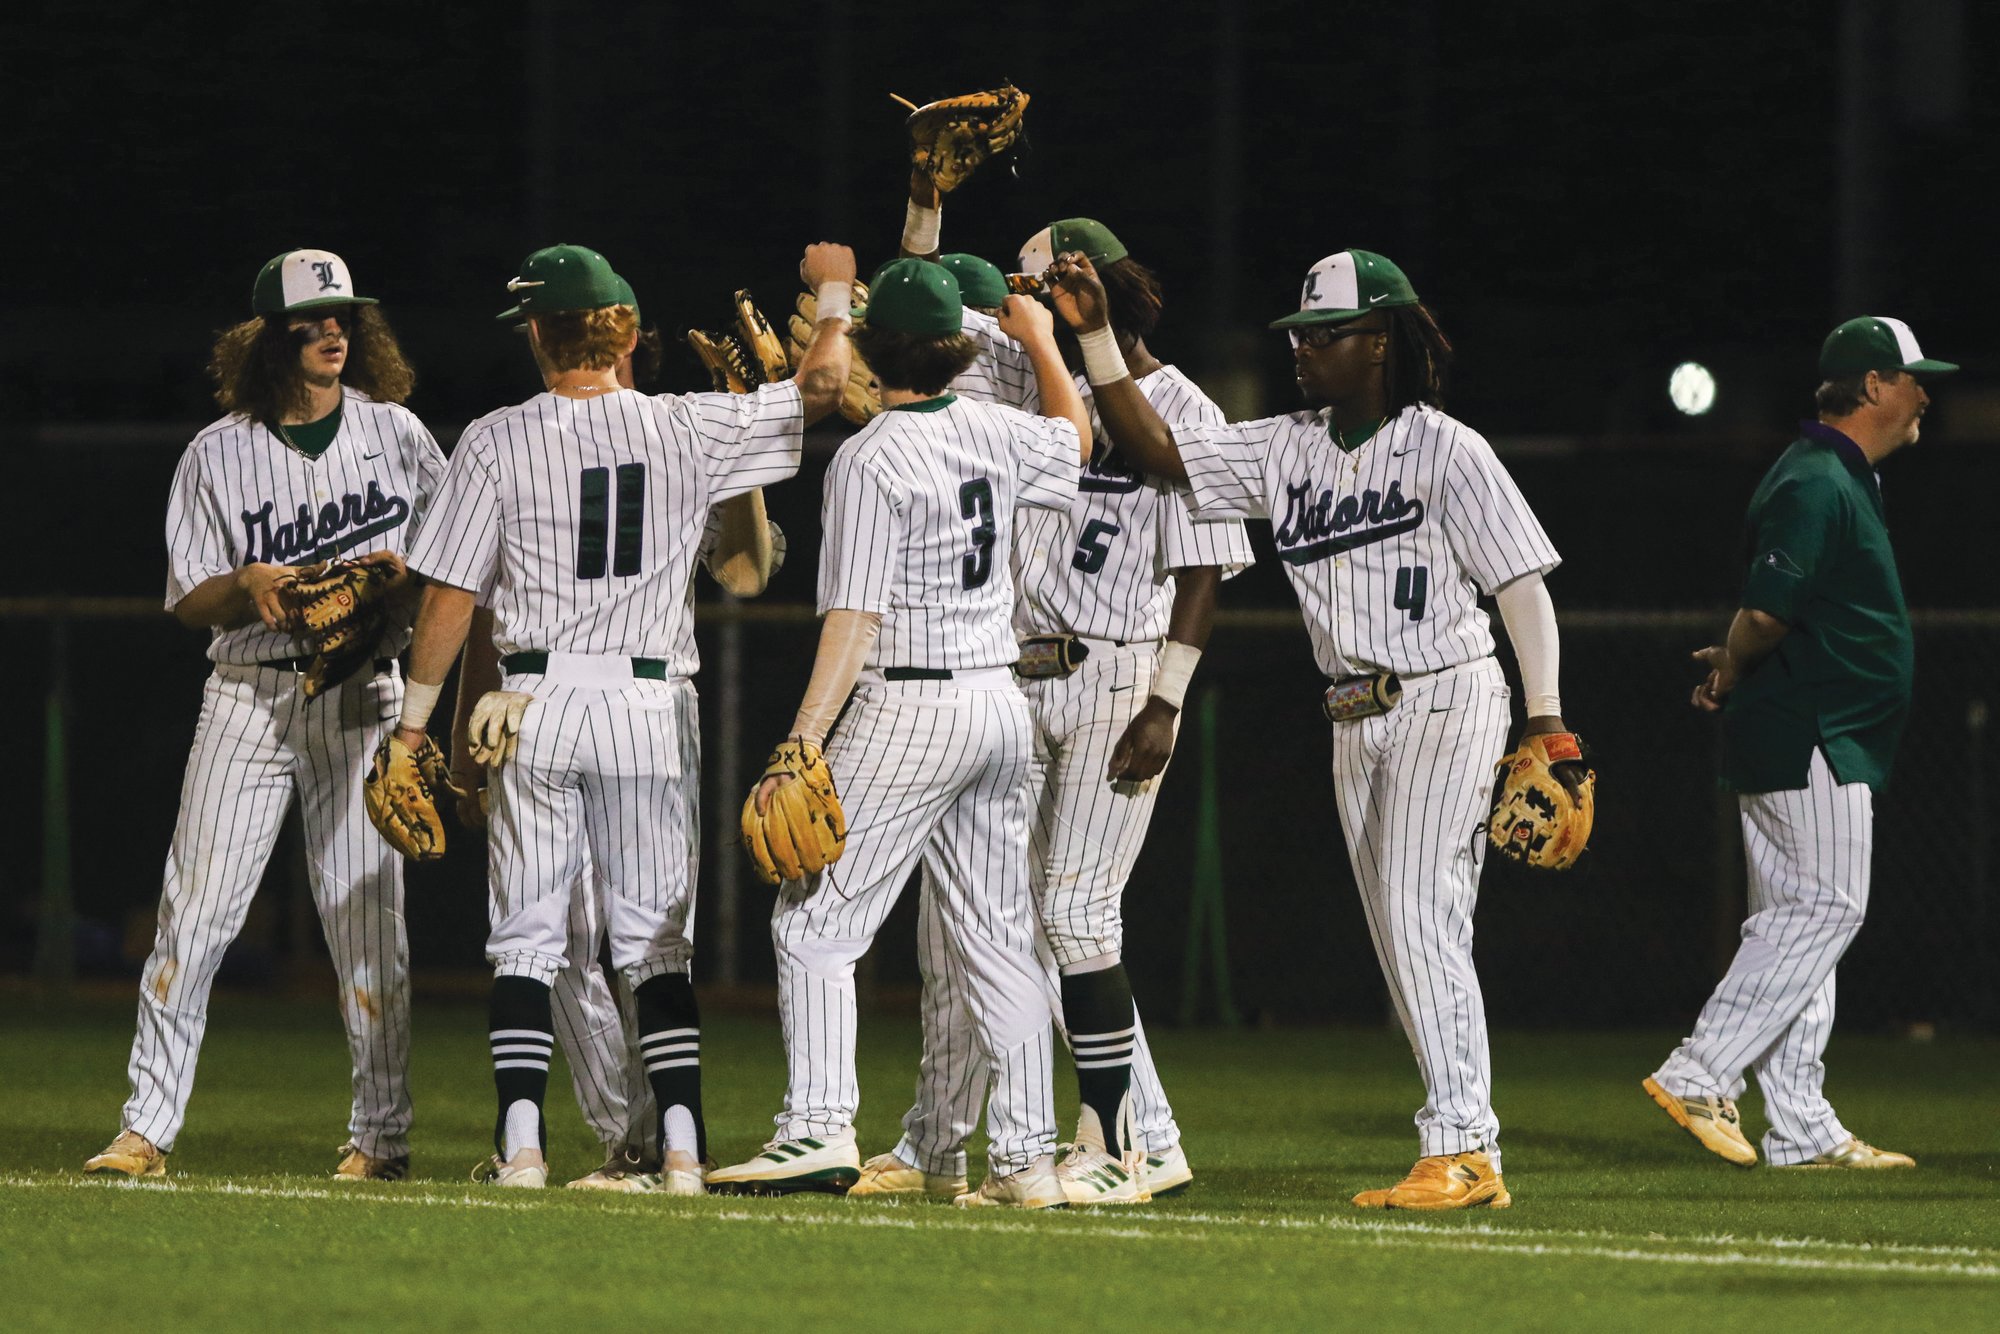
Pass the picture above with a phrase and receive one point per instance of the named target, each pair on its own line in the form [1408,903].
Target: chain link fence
[1637,934]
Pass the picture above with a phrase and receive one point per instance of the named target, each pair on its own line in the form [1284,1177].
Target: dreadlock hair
[255,365]
[918,362]
[1419,357]
[1134,293]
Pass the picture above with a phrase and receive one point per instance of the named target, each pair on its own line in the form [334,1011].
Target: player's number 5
[975,503]
[1093,545]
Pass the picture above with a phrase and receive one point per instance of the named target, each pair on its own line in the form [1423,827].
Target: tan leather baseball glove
[951,137]
[1538,819]
[802,828]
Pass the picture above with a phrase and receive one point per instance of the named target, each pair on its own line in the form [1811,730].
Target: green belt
[535,662]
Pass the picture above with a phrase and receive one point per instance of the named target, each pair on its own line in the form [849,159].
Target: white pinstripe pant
[597,1027]
[603,780]
[258,744]
[1414,786]
[1086,837]
[932,772]
[1808,858]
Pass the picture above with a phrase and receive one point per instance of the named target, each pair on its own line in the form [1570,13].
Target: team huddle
[1021,554]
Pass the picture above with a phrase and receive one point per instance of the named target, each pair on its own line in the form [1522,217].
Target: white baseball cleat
[790,1165]
[1167,1172]
[886,1174]
[1092,1176]
[525,1170]
[1033,1187]
[626,1171]
[1859,1153]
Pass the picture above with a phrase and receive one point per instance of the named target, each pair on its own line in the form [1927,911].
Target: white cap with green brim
[1346,286]
[304,280]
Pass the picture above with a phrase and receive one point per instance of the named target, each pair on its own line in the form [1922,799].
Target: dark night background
[1587,194]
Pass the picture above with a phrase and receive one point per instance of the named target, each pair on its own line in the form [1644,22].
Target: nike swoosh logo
[1373,299]
[376,455]
[1115,689]
[1398,453]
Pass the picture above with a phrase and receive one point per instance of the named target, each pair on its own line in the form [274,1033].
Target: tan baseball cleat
[1443,1181]
[1712,1121]
[130,1155]
[359,1166]
[1859,1153]
[1033,1187]
[886,1174]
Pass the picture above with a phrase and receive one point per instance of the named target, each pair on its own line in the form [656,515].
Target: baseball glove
[750,355]
[339,607]
[1537,819]
[861,401]
[802,829]
[949,138]
[402,791]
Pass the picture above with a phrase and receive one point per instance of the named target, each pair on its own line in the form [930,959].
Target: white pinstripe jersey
[1105,568]
[918,526]
[1390,547]
[580,519]
[242,496]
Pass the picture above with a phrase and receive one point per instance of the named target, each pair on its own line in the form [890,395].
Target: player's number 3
[975,502]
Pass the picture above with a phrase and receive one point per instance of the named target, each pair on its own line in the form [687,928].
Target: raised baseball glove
[861,401]
[402,792]
[949,138]
[745,357]
[1537,818]
[339,607]
[802,829]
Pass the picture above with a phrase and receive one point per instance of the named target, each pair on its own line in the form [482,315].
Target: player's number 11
[593,531]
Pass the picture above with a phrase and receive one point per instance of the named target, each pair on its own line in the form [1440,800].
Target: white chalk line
[1726,1250]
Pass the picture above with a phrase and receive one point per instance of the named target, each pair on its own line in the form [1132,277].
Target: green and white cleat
[1167,1172]
[787,1166]
[626,1171]
[1092,1176]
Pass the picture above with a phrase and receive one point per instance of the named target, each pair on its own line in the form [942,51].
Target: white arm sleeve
[1530,618]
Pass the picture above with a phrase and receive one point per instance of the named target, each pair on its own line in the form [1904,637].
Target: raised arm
[744,555]
[822,374]
[1136,431]
[921,218]
[1028,322]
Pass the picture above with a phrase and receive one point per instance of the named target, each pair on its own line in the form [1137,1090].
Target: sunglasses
[1324,336]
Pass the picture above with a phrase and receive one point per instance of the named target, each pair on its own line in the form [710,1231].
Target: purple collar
[1838,441]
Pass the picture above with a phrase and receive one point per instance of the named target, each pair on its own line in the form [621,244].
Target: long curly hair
[255,366]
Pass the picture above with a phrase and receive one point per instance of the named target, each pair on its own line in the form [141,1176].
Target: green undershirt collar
[312,438]
[1357,438]
[927,404]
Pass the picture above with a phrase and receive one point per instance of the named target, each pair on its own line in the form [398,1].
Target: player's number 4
[593,529]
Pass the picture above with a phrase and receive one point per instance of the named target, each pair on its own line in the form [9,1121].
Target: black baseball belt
[535,662]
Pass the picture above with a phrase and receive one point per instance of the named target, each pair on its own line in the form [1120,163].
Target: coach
[1813,687]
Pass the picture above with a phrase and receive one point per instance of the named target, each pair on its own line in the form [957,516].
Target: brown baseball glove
[949,138]
[1538,818]
[339,607]
[861,400]
[745,357]
[402,792]
[802,828]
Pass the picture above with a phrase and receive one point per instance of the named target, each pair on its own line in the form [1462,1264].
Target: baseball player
[1813,685]
[314,458]
[1124,569]
[1392,520]
[595,1024]
[931,758]
[578,514]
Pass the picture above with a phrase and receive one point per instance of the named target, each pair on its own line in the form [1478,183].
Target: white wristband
[418,701]
[1103,363]
[835,302]
[1176,669]
[1545,706]
[920,228]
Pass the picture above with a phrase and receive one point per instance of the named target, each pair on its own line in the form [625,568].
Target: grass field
[1620,1221]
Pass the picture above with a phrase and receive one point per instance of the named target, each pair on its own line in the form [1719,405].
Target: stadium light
[1692,388]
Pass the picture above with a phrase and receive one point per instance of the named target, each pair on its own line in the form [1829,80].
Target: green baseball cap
[1346,286]
[979,283]
[627,297]
[565,277]
[304,280]
[915,296]
[1098,243]
[1876,343]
